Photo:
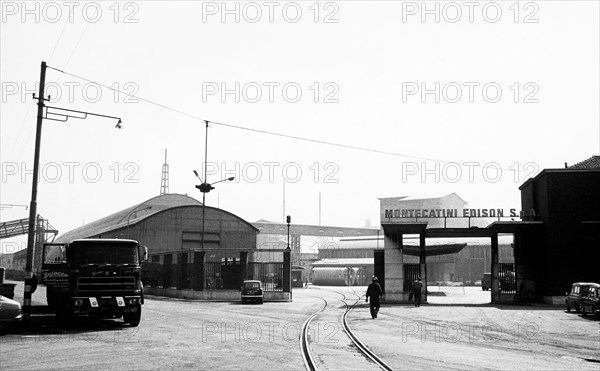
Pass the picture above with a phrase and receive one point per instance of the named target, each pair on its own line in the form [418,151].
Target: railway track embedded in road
[309,360]
[307,357]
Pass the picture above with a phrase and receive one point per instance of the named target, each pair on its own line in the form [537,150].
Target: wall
[566,249]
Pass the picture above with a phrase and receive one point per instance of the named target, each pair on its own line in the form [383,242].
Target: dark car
[578,291]
[252,291]
[590,303]
[10,311]
[486,281]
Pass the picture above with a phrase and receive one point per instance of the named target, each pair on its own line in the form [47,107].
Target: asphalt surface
[454,331]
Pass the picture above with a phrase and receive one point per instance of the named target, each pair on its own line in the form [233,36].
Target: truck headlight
[78,302]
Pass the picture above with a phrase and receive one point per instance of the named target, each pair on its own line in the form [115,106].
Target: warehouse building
[181,256]
[305,240]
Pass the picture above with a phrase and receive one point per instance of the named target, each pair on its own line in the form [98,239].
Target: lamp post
[288,220]
[204,186]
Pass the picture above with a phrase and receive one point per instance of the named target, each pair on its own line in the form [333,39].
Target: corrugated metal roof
[130,215]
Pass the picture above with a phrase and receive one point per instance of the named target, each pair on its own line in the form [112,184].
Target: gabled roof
[130,215]
[591,163]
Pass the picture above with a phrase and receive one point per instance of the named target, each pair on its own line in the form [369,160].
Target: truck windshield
[102,253]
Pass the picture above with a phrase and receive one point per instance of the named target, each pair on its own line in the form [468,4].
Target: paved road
[218,335]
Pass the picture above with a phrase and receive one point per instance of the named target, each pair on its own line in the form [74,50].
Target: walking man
[417,286]
[375,292]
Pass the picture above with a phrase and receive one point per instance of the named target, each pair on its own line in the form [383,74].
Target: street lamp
[135,210]
[204,186]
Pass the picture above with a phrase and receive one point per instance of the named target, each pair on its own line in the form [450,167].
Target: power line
[282,135]
[77,45]
[58,41]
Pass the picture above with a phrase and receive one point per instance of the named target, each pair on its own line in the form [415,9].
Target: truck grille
[100,284]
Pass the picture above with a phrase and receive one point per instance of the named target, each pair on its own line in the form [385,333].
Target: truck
[95,277]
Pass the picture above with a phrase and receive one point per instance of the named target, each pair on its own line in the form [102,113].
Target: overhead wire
[283,135]
[49,61]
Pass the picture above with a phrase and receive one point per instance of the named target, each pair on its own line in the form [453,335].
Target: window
[55,254]
[90,252]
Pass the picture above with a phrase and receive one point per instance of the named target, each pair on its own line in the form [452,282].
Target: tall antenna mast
[164,181]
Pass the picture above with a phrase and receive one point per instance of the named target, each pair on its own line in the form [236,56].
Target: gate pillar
[495,269]
[423,266]
[198,274]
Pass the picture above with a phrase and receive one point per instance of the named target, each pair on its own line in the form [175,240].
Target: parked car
[578,291]
[486,281]
[10,311]
[590,303]
[252,291]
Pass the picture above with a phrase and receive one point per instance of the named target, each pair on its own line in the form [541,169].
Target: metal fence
[270,274]
[226,275]
[508,279]
[411,272]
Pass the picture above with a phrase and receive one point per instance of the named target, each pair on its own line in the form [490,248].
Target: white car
[10,311]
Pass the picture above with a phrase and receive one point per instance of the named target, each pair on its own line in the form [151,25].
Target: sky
[338,101]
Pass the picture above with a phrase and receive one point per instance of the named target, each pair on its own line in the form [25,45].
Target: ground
[454,330]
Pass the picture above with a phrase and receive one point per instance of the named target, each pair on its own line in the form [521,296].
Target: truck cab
[95,277]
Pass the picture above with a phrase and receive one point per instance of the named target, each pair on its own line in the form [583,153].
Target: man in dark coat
[375,292]
[417,286]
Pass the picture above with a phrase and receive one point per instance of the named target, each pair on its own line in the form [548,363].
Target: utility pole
[33,205]
[204,186]
[30,282]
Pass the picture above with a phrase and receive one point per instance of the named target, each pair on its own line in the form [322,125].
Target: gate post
[423,266]
[182,260]
[379,268]
[287,272]
[495,270]
[167,269]
[244,266]
[198,275]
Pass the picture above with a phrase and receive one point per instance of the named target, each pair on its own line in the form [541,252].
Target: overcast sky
[506,85]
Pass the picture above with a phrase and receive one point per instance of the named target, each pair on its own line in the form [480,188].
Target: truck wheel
[133,318]
[568,308]
[65,316]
